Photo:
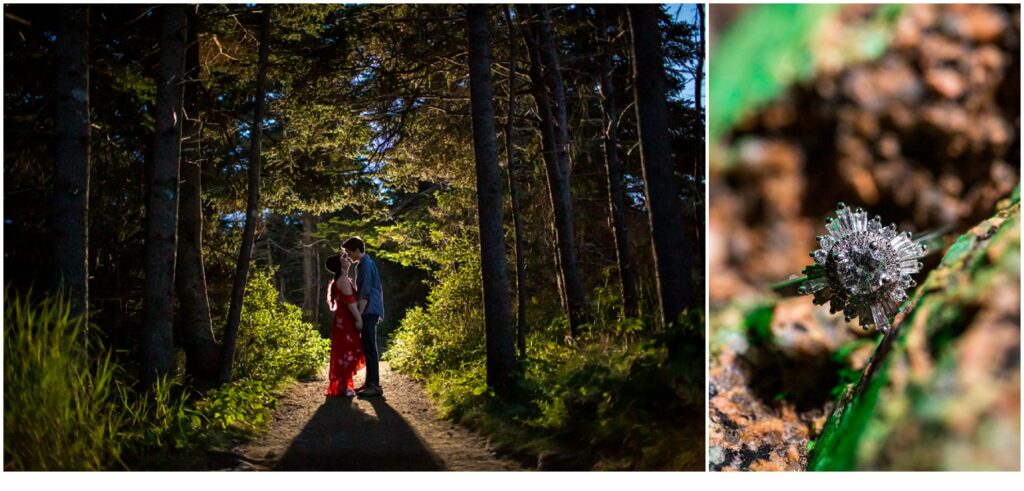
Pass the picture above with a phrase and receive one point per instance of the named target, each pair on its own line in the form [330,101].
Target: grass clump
[69,404]
[58,399]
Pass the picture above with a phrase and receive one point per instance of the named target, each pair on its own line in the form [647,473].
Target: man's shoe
[371,391]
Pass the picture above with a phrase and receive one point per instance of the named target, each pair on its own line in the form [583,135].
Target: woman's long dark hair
[333,264]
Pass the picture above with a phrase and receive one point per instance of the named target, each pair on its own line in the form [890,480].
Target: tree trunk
[319,286]
[550,98]
[547,132]
[201,350]
[71,179]
[162,203]
[496,291]
[309,266]
[513,185]
[252,206]
[616,183]
[278,279]
[673,258]
[564,221]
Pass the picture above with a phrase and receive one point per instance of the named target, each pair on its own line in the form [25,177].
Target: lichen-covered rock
[942,390]
[774,370]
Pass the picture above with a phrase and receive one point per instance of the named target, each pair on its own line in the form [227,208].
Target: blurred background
[913,113]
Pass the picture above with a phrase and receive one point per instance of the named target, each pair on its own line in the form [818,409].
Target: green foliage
[615,396]
[274,342]
[57,398]
[836,448]
[242,408]
[161,419]
[132,83]
[274,346]
[468,384]
[606,304]
[449,330]
[758,324]
[71,408]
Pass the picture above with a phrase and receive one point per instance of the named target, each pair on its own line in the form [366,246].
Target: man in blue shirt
[371,306]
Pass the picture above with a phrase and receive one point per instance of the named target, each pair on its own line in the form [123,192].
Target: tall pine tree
[162,202]
[673,257]
[496,291]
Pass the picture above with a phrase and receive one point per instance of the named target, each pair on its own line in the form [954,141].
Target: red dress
[346,347]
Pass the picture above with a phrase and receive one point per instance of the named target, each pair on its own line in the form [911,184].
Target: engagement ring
[861,268]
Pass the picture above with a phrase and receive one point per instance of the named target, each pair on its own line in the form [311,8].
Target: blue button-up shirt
[368,283]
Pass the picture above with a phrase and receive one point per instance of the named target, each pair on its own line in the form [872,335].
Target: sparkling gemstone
[862,270]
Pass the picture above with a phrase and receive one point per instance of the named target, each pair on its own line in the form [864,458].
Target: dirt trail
[399,431]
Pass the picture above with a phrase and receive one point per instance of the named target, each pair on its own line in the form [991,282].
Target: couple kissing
[358,307]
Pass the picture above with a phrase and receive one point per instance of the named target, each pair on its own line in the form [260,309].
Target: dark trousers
[369,336]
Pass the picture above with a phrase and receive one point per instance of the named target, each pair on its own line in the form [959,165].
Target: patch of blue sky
[232,218]
[245,128]
[362,77]
[237,218]
[385,192]
[687,12]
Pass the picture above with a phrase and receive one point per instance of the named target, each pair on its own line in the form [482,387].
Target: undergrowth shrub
[629,402]
[274,342]
[449,331]
[239,409]
[623,393]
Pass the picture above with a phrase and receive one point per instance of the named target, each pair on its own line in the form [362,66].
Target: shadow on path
[341,437]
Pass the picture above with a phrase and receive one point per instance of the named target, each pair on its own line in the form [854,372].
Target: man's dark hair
[354,243]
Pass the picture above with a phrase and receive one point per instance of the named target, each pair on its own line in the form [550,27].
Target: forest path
[399,431]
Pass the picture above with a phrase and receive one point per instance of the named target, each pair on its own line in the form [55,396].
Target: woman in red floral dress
[346,347]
